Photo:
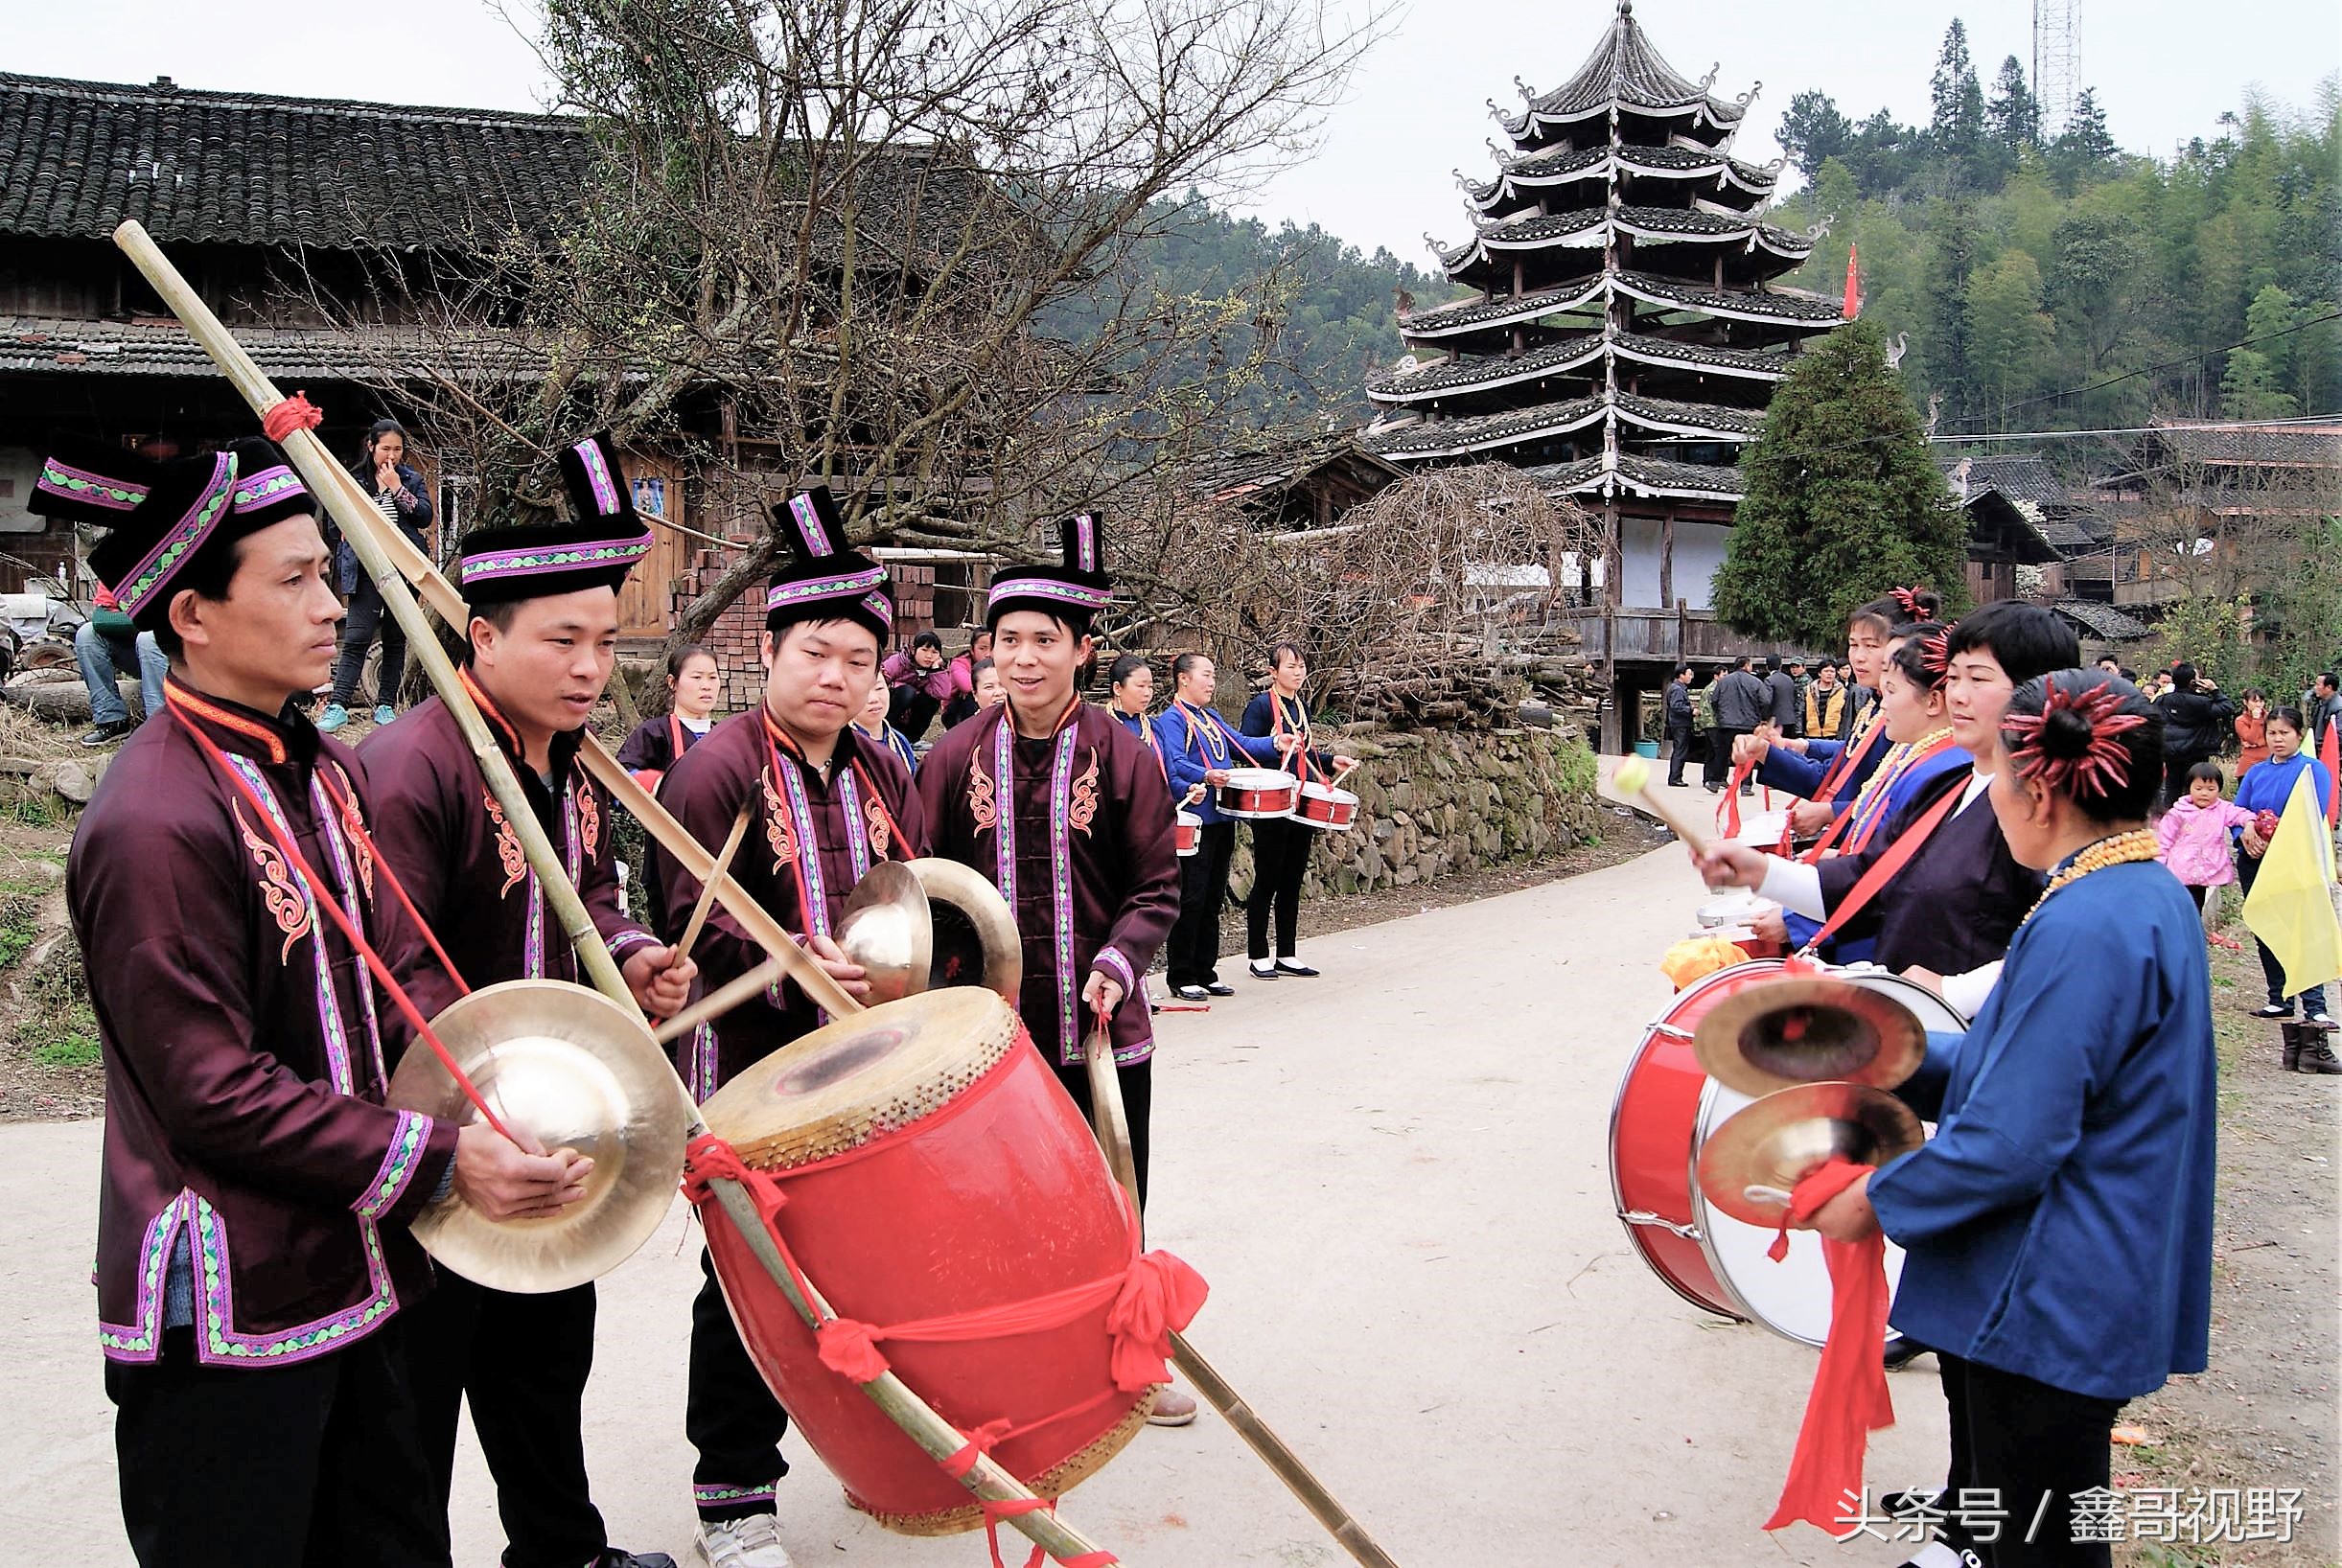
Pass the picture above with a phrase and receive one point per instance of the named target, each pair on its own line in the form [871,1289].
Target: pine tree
[2014,112]
[1957,124]
[1844,500]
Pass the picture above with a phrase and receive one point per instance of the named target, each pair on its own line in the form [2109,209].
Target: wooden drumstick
[721,1001]
[714,880]
[1634,779]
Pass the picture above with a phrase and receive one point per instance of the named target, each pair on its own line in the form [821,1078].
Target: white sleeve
[1966,993]
[1794,886]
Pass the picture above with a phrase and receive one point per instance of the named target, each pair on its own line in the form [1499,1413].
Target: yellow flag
[2291,907]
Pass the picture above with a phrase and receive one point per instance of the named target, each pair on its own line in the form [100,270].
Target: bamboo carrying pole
[1113,1128]
[366,531]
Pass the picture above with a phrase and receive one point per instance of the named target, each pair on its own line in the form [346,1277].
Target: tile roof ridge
[214,98]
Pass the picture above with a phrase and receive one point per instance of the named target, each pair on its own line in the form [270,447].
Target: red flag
[1854,298]
[2331,754]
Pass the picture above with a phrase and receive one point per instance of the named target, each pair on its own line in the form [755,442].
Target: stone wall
[1437,803]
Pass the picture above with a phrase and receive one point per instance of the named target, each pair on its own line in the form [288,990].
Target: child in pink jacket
[2193,834]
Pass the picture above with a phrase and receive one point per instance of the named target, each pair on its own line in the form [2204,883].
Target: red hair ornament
[2102,767]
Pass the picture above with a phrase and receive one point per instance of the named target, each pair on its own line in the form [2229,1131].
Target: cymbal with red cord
[1809,1029]
[1750,1165]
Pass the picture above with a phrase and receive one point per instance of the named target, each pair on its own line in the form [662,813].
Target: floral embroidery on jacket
[508,851]
[1084,809]
[353,829]
[589,818]
[882,832]
[983,801]
[777,831]
[287,906]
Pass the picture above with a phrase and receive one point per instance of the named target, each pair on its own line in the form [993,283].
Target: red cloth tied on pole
[293,413]
[1849,1398]
[1159,1294]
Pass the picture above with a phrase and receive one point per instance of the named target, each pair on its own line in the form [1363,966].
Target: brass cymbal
[976,941]
[576,1071]
[1808,1030]
[889,932]
[1774,1143]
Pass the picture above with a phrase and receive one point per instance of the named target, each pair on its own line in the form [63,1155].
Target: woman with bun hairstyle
[1827,774]
[2058,1228]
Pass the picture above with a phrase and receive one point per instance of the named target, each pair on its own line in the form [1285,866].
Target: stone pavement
[1395,1178]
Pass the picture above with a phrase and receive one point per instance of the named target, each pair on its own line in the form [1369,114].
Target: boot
[2317,1055]
[2293,1048]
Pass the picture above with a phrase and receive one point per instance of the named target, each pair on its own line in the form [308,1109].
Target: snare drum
[1188,832]
[1258,793]
[1666,1112]
[1323,806]
[1762,830]
[933,1167]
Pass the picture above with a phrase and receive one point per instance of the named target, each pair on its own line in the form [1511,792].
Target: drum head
[1792,1297]
[861,1077]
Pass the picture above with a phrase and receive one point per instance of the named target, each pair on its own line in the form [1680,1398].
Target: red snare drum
[1666,1110]
[1324,806]
[1188,832]
[932,1166]
[1257,793]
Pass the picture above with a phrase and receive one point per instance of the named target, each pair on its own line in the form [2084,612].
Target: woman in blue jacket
[1197,747]
[2267,787]
[2058,1228]
[1281,849]
[399,493]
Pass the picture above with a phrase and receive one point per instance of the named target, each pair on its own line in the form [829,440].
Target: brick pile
[733,638]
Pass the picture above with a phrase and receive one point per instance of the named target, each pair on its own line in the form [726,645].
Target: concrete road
[1394,1177]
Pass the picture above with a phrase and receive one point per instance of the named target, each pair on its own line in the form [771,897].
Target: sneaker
[1172,1407]
[617,1556]
[384,714]
[2275,1009]
[107,733]
[752,1542]
[333,718]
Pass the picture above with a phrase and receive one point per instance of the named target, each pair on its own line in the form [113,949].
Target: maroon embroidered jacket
[461,862]
[245,1047]
[813,840]
[1076,833]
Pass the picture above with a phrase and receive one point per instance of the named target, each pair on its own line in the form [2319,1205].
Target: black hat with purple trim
[96,482]
[597,548]
[1072,592]
[183,512]
[826,580]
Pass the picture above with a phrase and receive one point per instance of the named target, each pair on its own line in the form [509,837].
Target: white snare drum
[1762,830]
[1258,793]
[1189,832]
[1323,806]
[1738,908]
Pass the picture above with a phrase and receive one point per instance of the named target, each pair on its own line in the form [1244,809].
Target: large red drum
[1664,1113]
[932,1166]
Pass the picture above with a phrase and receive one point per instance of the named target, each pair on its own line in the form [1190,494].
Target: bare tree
[893,245]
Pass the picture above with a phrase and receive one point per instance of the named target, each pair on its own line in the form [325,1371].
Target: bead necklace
[1873,795]
[2119,849]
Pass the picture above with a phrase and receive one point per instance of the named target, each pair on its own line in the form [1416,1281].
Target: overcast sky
[2164,70]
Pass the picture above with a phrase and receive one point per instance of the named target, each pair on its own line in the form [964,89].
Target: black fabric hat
[826,581]
[1072,592]
[535,561]
[94,482]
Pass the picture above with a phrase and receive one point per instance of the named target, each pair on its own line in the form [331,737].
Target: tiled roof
[2023,476]
[1587,227]
[1562,164]
[76,158]
[1639,476]
[43,345]
[1770,367]
[1480,313]
[1453,437]
[1483,370]
[1740,304]
[1689,418]
[2315,446]
[1625,70]
[2103,621]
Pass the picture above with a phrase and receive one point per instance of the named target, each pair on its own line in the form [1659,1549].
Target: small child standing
[2192,836]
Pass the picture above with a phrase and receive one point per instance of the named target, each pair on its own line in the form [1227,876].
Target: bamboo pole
[331,483]
[1113,1128]
[365,529]
[721,1001]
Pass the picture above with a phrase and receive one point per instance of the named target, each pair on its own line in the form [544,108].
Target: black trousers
[2313,1000]
[2175,778]
[316,1464]
[1719,763]
[1137,1080]
[2021,1441]
[1191,954]
[366,617]
[912,711]
[729,1414]
[1280,859]
[522,1362]
[1678,752]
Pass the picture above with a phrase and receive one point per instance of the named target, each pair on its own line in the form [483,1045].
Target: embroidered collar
[561,754]
[841,761]
[243,731]
[1073,712]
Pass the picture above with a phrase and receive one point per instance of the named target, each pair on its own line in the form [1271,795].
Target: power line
[2190,360]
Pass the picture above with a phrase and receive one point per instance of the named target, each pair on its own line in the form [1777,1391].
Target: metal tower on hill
[2057,42]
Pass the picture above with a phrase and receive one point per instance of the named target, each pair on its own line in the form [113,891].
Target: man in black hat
[254,1270]
[830,804]
[540,643]
[1068,815]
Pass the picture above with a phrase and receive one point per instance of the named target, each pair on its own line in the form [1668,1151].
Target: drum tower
[1625,339]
